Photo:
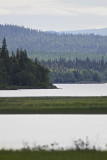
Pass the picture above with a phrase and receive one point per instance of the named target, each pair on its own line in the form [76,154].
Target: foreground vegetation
[53,155]
[54,105]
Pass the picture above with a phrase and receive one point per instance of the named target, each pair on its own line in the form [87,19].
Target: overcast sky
[59,15]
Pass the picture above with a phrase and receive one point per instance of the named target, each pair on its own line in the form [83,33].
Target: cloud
[102,11]
[91,3]
[54,7]
[58,23]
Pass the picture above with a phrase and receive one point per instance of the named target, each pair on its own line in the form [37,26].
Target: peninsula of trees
[19,71]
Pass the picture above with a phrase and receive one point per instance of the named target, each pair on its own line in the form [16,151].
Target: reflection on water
[16,130]
[64,90]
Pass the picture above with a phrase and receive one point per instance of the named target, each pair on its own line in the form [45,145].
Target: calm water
[47,129]
[64,90]
[15,130]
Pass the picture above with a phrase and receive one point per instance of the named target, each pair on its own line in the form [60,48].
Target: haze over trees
[19,71]
[51,45]
[102,31]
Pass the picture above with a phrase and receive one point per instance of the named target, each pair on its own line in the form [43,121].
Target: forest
[69,58]
[19,71]
[52,45]
[77,71]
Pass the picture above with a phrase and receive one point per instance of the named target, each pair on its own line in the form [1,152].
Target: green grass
[54,105]
[53,155]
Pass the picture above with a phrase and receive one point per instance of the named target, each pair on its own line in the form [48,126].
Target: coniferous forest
[53,45]
[69,58]
[77,71]
[19,71]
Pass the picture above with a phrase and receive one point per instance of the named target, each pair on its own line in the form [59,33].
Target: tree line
[77,71]
[19,71]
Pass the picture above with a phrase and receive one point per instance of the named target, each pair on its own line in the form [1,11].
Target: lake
[16,130]
[64,90]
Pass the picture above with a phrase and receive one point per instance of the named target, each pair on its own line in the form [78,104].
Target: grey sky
[55,14]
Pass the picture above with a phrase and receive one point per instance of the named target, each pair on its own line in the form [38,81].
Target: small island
[20,72]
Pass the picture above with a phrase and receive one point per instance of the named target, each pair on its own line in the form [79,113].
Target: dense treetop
[18,71]
[47,45]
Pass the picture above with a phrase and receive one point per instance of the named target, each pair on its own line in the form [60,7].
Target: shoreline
[54,155]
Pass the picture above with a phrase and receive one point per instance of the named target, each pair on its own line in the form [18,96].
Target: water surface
[47,129]
[64,90]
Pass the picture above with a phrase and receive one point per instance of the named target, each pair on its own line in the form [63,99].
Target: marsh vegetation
[54,105]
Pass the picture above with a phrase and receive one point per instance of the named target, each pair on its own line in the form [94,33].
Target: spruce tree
[5,54]
[4,50]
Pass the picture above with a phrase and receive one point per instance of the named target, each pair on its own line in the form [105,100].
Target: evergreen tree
[4,51]
[5,54]
[20,71]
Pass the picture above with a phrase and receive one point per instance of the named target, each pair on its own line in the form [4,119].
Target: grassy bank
[53,155]
[54,105]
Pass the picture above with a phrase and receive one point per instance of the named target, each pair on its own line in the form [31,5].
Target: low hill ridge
[47,45]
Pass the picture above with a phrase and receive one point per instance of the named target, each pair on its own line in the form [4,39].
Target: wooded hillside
[51,45]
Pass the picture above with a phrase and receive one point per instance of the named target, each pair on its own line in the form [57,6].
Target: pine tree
[5,54]
[4,51]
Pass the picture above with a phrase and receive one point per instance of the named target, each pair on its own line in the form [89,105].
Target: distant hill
[51,45]
[102,31]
